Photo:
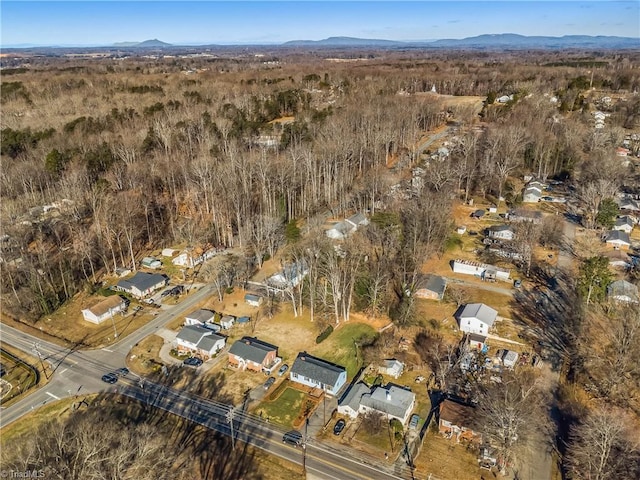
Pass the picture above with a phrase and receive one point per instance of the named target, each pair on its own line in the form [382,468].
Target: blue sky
[201,22]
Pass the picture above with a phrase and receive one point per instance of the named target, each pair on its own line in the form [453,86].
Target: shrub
[325,333]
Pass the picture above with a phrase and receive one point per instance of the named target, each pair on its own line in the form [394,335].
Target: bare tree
[603,446]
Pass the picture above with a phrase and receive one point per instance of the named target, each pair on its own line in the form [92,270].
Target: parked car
[517,283]
[166,292]
[283,369]
[193,361]
[122,372]
[110,378]
[413,423]
[292,438]
[270,381]
[339,426]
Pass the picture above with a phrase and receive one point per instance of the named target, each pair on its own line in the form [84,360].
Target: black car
[292,438]
[110,378]
[339,426]
[270,381]
[193,361]
[122,372]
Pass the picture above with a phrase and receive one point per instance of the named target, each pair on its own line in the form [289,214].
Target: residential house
[142,284]
[199,340]
[249,353]
[392,401]
[477,318]
[624,224]
[431,287]
[150,262]
[253,300]
[104,309]
[623,291]
[458,421]
[532,193]
[618,259]
[199,317]
[391,367]
[618,239]
[343,229]
[318,373]
[501,232]
[187,259]
[524,215]
[290,276]
[629,204]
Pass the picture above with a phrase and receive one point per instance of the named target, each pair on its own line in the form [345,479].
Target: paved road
[80,371]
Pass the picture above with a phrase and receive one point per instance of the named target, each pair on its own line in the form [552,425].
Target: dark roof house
[250,348]
[319,373]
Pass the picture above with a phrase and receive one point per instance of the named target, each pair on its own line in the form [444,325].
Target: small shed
[168,252]
[253,300]
[151,262]
[243,319]
[509,358]
[227,321]
[461,229]
[478,213]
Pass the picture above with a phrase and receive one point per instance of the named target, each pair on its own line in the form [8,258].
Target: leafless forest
[106,159]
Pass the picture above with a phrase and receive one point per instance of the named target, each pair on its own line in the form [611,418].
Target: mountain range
[146,44]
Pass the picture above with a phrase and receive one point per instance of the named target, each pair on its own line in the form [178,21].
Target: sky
[266,22]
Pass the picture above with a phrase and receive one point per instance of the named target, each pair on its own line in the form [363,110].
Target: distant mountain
[512,40]
[344,42]
[502,41]
[146,44]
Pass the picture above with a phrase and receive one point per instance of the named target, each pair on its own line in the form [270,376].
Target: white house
[392,401]
[618,258]
[253,300]
[290,276]
[532,194]
[391,367]
[142,284]
[199,340]
[624,224]
[199,317]
[343,229]
[105,309]
[477,318]
[482,270]
[623,291]
[501,232]
[318,373]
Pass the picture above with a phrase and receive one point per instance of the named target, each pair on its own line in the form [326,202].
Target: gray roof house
[199,340]
[391,401]
[318,373]
[476,318]
[501,232]
[199,317]
[431,287]
[623,291]
[618,239]
[624,223]
[251,353]
[142,284]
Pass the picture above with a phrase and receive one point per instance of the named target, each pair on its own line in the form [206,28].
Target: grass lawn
[144,357]
[283,410]
[340,346]
[19,377]
[444,459]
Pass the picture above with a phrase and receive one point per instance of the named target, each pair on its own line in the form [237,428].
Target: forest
[104,160]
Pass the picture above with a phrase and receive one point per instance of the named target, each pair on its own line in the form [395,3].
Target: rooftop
[458,414]
[193,333]
[202,315]
[250,348]
[482,312]
[390,399]
[142,281]
[102,307]
[316,369]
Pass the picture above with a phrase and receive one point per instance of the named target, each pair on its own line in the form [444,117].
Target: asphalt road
[78,372]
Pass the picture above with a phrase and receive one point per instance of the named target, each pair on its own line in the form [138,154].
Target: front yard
[445,459]
[284,409]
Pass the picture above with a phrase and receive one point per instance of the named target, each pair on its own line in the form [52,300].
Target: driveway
[169,337]
[489,287]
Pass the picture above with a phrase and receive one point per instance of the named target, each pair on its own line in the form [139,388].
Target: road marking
[52,395]
[63,371]
[107,350]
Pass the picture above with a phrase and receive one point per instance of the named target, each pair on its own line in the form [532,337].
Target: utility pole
[115,332]
[36,349]
[304,447]
[230,420]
